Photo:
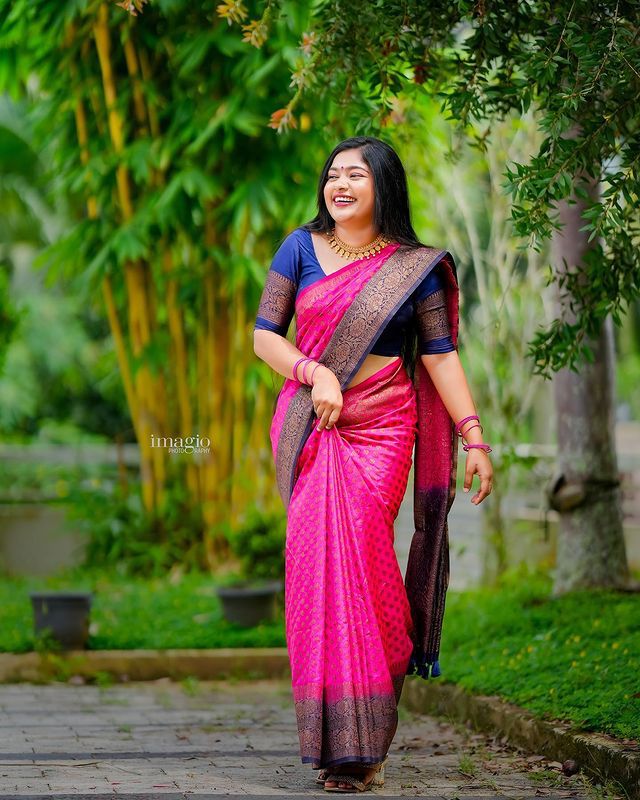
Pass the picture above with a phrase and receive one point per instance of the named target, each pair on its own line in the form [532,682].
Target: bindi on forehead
[350,166]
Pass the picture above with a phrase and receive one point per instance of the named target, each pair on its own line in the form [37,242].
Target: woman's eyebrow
[352,166]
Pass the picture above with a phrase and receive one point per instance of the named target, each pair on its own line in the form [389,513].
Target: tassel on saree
[424,666]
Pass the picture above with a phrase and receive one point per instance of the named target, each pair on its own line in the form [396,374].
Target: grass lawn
[129,613]
[575,657]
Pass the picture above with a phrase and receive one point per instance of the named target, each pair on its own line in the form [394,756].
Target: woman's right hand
[326,396]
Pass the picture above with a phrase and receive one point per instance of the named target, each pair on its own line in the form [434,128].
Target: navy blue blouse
[295,260]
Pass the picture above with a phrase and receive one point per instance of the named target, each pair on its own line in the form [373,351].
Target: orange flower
[132,6]
[282,119]
[308,40]
[255,33]
[232,11]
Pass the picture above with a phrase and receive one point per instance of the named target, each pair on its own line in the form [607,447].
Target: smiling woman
[372,305]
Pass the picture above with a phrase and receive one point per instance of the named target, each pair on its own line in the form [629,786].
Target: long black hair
[391,216]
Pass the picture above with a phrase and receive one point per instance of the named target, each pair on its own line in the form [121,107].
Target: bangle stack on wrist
[466,446]
[304,377]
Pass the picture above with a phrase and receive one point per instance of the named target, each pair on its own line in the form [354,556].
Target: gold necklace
[363,251]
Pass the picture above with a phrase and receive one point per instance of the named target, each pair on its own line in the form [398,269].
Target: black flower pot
[248,604]
[65,614]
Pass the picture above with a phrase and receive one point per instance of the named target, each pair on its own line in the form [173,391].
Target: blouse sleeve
[277,303]
[432,321]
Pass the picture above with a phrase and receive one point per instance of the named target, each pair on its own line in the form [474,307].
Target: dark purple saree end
[426,665]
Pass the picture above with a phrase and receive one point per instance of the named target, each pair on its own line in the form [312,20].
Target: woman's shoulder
[421,248]
[290,239]
[300,232]
[286,259]
[304,240]
[295,241]
[436,251]
[437,277]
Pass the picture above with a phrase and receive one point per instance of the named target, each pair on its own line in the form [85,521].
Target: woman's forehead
[353,163]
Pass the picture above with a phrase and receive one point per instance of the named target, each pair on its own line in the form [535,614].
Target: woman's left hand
[478,462]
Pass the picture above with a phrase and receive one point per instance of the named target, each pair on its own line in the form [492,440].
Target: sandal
[322,775]
[354,781]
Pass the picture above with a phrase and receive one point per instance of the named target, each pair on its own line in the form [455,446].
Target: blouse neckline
[317,260]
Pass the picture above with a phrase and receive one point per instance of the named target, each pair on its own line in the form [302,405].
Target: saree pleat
[348,619]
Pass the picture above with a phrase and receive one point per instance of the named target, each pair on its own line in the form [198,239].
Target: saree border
[362,323]
[428,567]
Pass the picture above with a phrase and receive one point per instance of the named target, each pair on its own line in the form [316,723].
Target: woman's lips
[344,202]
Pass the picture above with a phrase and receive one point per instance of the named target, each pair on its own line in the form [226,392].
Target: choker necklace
[364,251]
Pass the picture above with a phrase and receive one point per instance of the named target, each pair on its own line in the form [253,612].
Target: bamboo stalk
[217,470]
[158,392]
[93,93]
[138,317]
[82,130]
[181,366]
[132,68]
[176,329]
[202,383]
[145,68]
[225,409]
[238,403]
[208,405]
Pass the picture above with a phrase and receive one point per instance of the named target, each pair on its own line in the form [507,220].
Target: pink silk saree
[354,629]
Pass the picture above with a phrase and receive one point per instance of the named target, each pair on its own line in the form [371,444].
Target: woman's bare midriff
[371,364]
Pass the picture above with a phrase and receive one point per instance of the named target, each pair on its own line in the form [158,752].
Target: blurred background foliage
[170,196]
[145,192]
[149,168]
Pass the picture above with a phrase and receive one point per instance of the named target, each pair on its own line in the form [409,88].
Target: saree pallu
[353,629]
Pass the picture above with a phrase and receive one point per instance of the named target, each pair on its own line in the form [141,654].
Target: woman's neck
[356,235]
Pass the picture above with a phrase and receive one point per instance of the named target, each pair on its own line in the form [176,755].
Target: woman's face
[349,176]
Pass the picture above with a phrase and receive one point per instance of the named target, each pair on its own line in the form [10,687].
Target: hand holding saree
[354,630]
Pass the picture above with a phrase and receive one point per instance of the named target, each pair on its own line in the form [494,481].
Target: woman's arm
[281,355]
[278,352]
[447,374]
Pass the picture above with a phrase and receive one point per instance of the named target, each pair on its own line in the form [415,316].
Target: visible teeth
[343,200]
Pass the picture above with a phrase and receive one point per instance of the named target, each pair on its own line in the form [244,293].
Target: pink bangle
[304,371]
[462,421]
[483,446]
[295,367]
[313,371]
[463,435]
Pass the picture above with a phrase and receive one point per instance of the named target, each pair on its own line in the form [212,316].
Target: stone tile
[154,740]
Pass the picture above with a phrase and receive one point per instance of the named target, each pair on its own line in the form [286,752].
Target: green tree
[153,129]
[578,64]
[571,61]
[462,202]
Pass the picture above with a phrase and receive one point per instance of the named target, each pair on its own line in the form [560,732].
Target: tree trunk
[591,549]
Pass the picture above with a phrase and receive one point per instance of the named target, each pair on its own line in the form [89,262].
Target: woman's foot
[364,772]
[322,775]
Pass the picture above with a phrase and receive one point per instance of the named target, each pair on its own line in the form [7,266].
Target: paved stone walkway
[175,740]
